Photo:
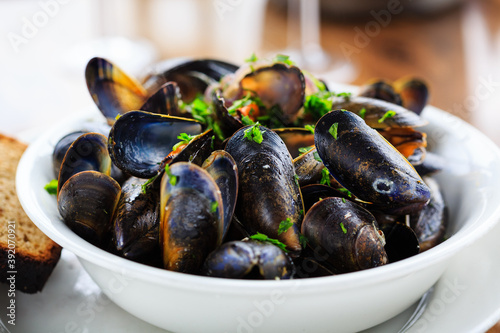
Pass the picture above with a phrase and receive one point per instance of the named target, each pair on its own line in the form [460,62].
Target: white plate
[465,300]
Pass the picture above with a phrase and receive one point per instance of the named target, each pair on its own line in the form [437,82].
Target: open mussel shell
[268,190]
[430,223]
[87,203]
[376,109]
[362,161]
[192,76]
[139,141]
[249,259]
[191,217]
[196,151]
[382,90]
[315,192]
[222,167]
[164,101]
[347,233]
[401,241]
[61,148]
[295,138]
[113,91]
[88,152]
[137,221]
[278,86]
[414,93]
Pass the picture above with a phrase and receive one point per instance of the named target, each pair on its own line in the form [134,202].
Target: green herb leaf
[264,238]
[172,178]
[345,191]
[253,133]
[303,240]
[252,58]
[51,187]
[344,230]
[343,200]
[316,157]
[199,109]
[388,114]
[325,177]
[213,207]
[146,184]
[310,128]
[303,150]
[284,59]
[317,105]
[333,130]
[362,113]
[284,226]
[185,139]
[344,94]
[247,121]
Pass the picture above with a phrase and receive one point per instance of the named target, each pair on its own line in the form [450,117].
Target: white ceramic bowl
[343,303]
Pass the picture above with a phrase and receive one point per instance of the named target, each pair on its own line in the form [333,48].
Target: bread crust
[34,254]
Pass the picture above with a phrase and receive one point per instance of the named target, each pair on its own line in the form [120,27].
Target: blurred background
[454,45]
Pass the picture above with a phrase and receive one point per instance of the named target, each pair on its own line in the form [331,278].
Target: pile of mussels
[257,171]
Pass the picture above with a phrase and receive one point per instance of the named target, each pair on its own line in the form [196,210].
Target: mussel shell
[430,223]
[268,190]
[414,93]
[87,203]
[278,85]
[431,164]
[308,167]
[382,90]
[315,192]
[401,241]
[61,148]
[88,152]
[139,141]
[196,151]
[226,122]
[375,109]
[222,167]
[239,259]
[164,101]
[367,165]
[347,232]
[192,76]
[137,221]
[113,91]
[191,217]
[295,138]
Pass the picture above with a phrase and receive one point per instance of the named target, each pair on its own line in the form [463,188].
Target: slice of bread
[35,254]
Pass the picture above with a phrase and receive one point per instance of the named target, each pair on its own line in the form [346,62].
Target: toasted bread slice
[25,252]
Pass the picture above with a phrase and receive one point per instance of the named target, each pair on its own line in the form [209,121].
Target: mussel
[268,192]
[347,233]
[249,259]
[191,217]
[360,159]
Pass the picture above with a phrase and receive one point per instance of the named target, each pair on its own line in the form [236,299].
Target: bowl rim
[62,235]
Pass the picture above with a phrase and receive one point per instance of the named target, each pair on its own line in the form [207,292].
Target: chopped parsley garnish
[284,226]
[172,178]
[345,191]
[303,240]
[247,100]
[252,58]
[320,85]
[149,181]
[344,230]
[362,113]
[325,177]
[344,94]
[247,121]
[320,103]
[316,156]
[343,200]
[185,139]
[310,128]
[264,238]
[303,150]
[51,187]
[333,130]
[253,133]
[213,207]
[388,114]
[284,59]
